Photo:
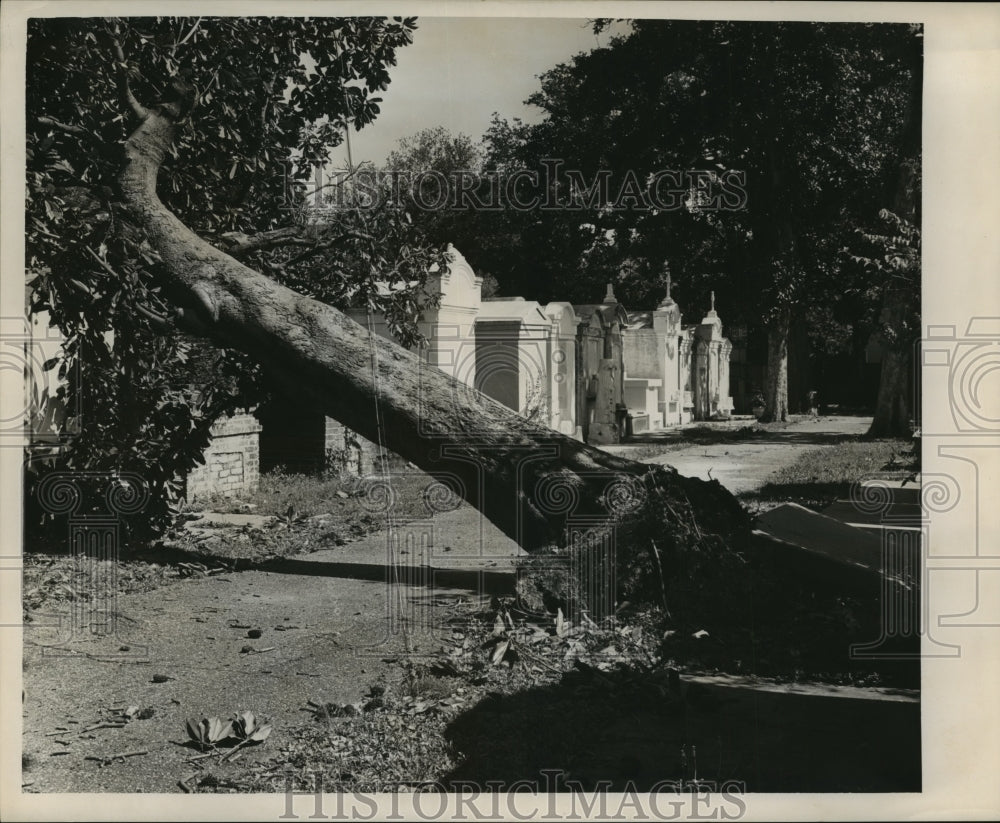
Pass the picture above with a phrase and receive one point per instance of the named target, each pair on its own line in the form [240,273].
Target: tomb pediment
[459,286]
[563,318]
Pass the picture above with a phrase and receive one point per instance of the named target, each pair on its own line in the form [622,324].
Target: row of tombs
[595,372]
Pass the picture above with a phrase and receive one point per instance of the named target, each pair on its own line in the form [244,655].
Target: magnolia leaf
[244,724]
[209,730]
[261,733]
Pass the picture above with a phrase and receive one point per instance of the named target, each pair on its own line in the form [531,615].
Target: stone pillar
[604,425]
[563,378]
[725,397]
[714,350]
[699,379]
[687,376]
[667,325]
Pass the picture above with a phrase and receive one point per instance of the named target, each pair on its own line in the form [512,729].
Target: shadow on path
[792,437]
[771,742]
[472,580]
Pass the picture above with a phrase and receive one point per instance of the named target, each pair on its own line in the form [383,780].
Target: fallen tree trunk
[539,487]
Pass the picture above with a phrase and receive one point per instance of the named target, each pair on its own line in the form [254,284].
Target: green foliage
[249,728]
[422,162]
[435,150]
[272,96]
[890,260]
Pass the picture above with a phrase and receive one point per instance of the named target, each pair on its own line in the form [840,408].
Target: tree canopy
[744,154]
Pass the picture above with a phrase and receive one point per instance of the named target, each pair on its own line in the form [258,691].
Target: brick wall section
[232,460]
[350,452]
[354,454]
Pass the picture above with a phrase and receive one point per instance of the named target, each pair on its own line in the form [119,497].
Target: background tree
[431,162]
[898,327]
[891,258]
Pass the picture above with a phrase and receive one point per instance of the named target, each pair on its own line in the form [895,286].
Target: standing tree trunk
[901,304]
[539,487]
[893,407]
[777,368]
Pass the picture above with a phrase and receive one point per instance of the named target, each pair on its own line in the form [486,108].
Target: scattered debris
[111,758]
[252,650]
[104,726]
[137,713]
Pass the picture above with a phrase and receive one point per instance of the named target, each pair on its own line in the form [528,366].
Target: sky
[460,70]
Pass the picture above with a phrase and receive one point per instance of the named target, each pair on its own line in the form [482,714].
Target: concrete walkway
[743,466]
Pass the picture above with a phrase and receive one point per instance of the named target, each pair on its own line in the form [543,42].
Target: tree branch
[483,451]
[240,244]
[187,36]
[69,129]
[129,99]
[329,244]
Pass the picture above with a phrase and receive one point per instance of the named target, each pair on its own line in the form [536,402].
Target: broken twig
[111,758]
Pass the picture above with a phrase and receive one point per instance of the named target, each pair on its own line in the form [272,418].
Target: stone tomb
[601,407]
[519,352]
[674,374]
[526,359]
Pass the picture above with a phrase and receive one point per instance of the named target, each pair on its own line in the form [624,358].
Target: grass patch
[701,434]
[821,476]
[310,495]
[307,513]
